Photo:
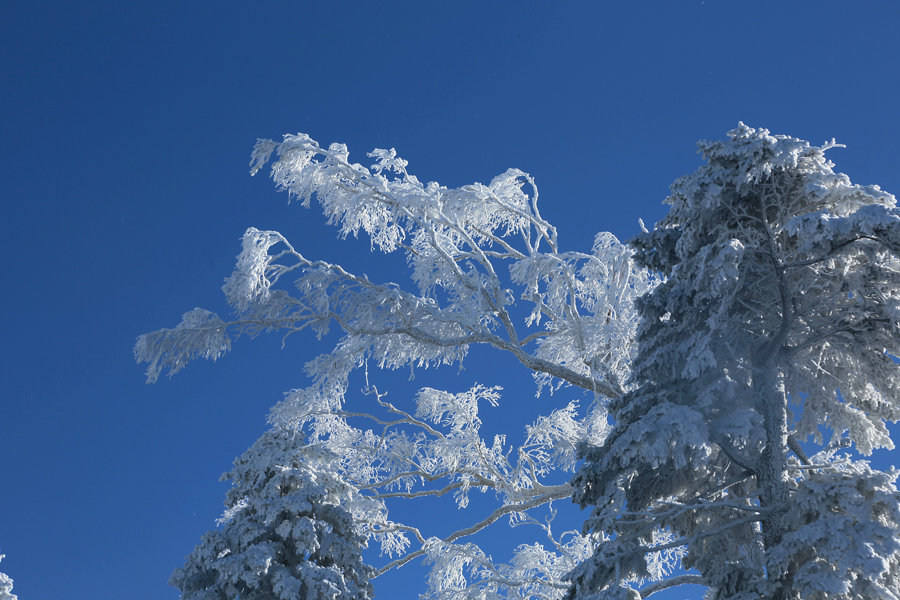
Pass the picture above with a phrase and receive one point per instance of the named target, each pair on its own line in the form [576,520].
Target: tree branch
[670,583]
[493,517]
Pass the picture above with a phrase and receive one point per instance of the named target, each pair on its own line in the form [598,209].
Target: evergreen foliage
[285,534]
[778,318]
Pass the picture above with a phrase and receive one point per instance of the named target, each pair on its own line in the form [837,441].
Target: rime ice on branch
[487,269]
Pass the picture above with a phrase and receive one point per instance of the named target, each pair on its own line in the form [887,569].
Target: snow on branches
[486,269]
[580,305]
[762,310]
[778,319]
[437,450]
[286,533]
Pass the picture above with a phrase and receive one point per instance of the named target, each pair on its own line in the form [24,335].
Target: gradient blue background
[126,131]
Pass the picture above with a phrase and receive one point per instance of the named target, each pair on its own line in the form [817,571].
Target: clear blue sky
[124,144]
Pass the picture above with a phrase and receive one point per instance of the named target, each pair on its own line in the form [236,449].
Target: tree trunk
[772,477]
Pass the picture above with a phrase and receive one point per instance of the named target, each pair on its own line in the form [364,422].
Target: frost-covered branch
[481,258]
[476,527]
[463,297]
[665,584]
[440,443]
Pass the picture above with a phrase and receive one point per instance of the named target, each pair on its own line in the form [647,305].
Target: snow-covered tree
[760,313]
[285,533]
[777,322]
[486,269]
[6,586]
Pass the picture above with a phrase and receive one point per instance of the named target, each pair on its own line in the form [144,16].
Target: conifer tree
[778,318]
[285,534]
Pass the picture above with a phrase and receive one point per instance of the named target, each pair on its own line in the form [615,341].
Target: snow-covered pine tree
[778,320]
[285,534]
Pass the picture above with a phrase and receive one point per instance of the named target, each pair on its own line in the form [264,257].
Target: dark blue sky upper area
[126,133]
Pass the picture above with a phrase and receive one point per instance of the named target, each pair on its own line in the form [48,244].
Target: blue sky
[127,128]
